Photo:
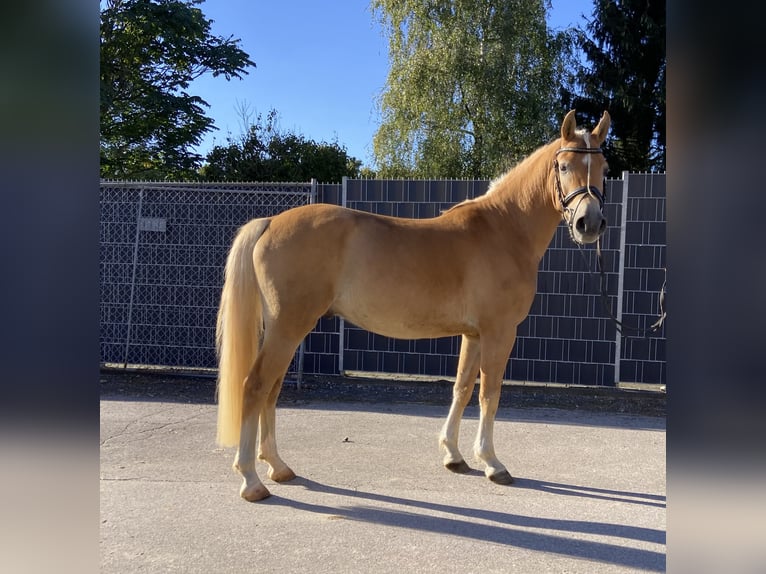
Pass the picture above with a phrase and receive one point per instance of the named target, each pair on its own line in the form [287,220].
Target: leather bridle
[567,213]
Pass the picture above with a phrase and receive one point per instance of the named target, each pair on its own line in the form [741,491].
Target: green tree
[474,85]
[266,153]
[151,50]
[624,43]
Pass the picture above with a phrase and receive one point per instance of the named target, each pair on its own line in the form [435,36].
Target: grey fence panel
[642,359]
[163,248]
[565,338]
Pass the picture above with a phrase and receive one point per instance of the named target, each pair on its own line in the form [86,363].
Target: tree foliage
[474,85]
[151,50]
[624,43]
[265,153]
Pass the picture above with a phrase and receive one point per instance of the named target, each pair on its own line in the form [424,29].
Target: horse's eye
[563,167]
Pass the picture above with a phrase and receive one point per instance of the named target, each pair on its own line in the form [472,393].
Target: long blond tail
[238,330]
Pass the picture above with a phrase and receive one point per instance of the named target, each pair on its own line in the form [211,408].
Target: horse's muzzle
[586,220]
[593,223]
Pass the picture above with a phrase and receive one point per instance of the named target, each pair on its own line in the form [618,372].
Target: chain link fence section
[163,249]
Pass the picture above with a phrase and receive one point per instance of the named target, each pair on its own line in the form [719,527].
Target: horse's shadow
[500,527]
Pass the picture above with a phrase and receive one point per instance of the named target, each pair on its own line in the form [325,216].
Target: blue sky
[321,65]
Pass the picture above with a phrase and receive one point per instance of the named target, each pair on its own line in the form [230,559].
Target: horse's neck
[523,203]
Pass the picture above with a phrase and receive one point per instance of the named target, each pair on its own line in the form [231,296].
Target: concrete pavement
[371,494]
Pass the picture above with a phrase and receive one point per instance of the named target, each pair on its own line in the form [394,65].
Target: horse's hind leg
[267,441]
[467,371]
[270,366]
[252,488]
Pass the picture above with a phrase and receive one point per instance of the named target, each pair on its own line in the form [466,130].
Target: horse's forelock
[584,134]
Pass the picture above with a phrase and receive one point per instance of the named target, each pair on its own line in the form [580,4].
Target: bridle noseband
[567,212]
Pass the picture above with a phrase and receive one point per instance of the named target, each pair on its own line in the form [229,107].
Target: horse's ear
[600,131]
[568,126]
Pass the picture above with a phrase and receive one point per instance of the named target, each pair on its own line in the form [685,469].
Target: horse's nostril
[602,227]
[580,224]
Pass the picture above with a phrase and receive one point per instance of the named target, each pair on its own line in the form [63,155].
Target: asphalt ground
[371,494]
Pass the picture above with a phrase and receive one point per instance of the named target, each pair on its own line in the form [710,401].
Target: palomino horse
[470,271]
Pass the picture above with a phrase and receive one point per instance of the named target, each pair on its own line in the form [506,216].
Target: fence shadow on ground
[366,395]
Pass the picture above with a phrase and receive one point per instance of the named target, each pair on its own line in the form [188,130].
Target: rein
[566,210]
[619,325]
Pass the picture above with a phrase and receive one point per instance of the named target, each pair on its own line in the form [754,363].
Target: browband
[580,149]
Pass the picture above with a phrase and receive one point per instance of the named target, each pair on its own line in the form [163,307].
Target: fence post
[621,274]
[341,321]
[133,278]
[313,196]
[302,346]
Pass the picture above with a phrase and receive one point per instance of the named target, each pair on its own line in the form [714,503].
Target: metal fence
[164,246]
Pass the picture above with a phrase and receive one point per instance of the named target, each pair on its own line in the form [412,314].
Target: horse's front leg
[467,371]
[494,356]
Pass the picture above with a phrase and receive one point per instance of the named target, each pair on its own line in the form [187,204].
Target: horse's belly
[403,320]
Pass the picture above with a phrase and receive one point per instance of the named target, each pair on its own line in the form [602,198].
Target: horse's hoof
[283,475]
[502,477]
[254,493]
[459,467]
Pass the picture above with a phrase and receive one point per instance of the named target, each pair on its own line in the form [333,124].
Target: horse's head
[580,169]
